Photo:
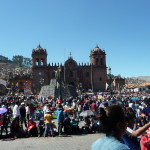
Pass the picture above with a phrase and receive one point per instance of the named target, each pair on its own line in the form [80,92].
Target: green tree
[4,59]
[18,60]
[27,62]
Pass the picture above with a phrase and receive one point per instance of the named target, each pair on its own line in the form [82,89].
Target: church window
[42,62]
[97,61]
[100,79]
[37,62]
[71,74]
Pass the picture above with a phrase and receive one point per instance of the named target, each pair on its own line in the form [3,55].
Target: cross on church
[70,54]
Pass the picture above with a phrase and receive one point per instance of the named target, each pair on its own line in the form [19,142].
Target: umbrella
[87,113]
[135,99]
[3,110]
[112,102]
[146,110]
[115,102]
[100,93]
[102,104]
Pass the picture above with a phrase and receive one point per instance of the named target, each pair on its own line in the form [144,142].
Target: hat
[47,111]
[22,103]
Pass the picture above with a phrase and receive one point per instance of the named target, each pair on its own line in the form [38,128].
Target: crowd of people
[120,117]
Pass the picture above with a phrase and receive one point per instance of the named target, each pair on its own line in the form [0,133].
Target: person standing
[60,118]
[41,128]
[23,114]
[74,108]
[27,112]
[48,124]
[16,111]
[93,107]
[4,123]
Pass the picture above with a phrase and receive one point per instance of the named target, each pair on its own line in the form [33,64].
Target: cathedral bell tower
[39,57]
[98,57]
[98,69]
[39,69]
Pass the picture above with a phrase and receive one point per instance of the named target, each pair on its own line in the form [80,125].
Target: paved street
[75,142]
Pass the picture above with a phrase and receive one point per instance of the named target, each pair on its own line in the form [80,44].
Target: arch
[42,62]
[97,61]
[37,62]
[71,73]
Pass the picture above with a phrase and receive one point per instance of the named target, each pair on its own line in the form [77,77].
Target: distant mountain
[7,68]
[146,78]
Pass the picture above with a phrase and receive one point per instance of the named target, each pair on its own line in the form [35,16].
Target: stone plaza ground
[72,142]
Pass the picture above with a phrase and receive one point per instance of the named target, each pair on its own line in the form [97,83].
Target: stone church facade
[84,76]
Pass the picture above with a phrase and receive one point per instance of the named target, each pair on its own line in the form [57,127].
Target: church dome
[97,50]
[70,62]
[39,50]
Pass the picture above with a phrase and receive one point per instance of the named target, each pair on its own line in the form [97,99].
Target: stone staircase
[48,90]
[52,90]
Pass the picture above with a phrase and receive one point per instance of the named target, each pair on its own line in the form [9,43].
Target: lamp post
[80,89]
[59,71]
[109,73]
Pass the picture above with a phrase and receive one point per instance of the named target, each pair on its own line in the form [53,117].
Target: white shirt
[27,110]
[16,111]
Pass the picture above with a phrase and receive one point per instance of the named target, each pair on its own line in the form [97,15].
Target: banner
[27,89]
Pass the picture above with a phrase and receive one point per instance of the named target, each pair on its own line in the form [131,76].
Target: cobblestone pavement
[73,142]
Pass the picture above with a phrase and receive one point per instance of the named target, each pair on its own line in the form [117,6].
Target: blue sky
[120,27]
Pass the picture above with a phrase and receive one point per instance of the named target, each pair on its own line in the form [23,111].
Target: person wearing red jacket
[145,141]
[32,129]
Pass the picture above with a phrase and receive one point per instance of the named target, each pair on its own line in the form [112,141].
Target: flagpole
[92,77]
[64,69]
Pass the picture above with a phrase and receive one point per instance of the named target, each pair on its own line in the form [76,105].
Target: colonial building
[20,83]
[86,76]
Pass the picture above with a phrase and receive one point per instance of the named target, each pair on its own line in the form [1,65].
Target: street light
[59,70]
[80,89]
[109,73]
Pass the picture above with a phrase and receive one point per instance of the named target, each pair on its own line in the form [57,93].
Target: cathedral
[83,76]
